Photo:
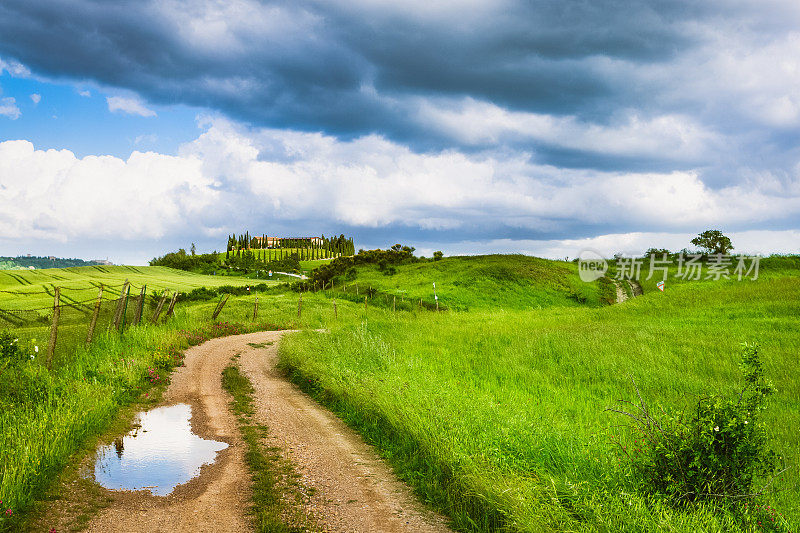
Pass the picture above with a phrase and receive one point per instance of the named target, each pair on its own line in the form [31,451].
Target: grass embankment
[497,417]
[276,496]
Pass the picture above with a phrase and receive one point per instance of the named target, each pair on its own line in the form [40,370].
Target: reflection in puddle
[159,455]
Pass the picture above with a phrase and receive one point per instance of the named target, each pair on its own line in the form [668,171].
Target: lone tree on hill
[713,241]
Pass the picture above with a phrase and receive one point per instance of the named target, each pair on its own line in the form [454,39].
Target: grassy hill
[516,282]
[483,282]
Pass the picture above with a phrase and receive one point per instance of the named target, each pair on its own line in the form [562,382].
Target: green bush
[12,352]
[714,454]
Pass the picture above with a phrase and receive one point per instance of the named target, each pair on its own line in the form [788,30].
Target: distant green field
[30,289]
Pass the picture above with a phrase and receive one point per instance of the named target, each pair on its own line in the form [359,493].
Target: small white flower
[716,428]
[36,349]
[31,356]
[745,421]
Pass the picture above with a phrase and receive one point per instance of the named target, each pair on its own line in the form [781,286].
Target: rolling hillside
[483,282]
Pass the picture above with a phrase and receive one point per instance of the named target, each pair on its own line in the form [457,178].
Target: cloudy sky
[130,128]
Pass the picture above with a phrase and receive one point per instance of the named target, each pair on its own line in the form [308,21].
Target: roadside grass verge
[276,495]
[498,418]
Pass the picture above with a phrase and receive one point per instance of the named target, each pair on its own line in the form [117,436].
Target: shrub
[12,353]
[21,380]
[714,454]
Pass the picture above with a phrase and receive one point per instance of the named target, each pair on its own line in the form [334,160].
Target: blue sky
[76,117]
[131,128]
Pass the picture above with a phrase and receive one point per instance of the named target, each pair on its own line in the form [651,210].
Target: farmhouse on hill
[275,242]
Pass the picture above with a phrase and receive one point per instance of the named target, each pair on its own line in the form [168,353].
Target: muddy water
[158,455]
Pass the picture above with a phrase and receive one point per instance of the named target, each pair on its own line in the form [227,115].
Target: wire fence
[59,329]
[397,300]
[74,319]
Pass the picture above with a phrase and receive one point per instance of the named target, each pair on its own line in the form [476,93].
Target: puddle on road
[158,455]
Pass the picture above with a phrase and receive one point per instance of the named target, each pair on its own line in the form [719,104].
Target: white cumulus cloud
[232,177]
[36,98]
[53,195]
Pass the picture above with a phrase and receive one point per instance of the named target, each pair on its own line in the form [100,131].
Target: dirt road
[354,490]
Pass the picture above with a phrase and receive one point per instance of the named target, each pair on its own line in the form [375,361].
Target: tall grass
[498,417]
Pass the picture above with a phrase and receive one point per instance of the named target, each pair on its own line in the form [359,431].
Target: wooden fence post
[394,303]
[172,304]
[255,310]
[222,301]
[96,313]
[122,316]
[51,346]
[139,306]
[120,303]
[159,307]
[300,305]
[365,304]
[356,289]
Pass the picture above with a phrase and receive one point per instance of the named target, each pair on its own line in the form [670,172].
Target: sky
[131,128]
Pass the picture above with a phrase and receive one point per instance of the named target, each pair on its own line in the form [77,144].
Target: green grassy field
[498,418]
[30,289]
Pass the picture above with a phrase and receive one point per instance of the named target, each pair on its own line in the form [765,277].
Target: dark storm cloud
[528,56]
[353,68]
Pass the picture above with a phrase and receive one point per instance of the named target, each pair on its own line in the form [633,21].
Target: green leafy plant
[715,454]
[12,352]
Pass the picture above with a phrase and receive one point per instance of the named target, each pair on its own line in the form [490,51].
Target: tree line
[247,254]
[306,248]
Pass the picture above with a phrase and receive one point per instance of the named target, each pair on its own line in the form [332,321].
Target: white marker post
[436,298]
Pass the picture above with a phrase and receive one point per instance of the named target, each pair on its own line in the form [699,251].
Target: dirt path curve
[354,491]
